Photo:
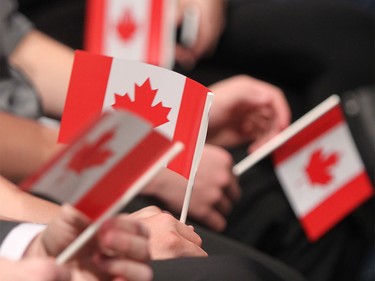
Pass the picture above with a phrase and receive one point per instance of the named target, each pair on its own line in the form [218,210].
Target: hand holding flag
[104,168]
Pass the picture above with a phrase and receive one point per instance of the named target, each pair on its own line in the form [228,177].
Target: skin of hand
[215,189]
[33,269]
[246,110]
[211,26]
[169,238]
[119,251]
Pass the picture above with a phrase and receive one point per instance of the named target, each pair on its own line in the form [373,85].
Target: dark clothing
[217,268]
[5,228]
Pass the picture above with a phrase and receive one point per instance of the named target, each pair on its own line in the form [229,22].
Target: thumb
[63,229]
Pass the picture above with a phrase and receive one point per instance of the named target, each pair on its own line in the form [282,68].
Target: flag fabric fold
[172,102]
[322,173]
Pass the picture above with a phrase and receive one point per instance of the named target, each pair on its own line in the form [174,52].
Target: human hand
[169,238]
[215,189]
[246,110]
[119,250]
[33,269]
[211,25]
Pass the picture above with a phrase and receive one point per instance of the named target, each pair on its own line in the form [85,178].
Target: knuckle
[224,179]
[215,196]
[167,218]
[153,209]
[173,240]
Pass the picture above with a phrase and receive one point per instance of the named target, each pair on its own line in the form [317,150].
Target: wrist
[36,248]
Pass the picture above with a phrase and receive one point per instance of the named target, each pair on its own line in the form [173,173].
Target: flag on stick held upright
[141,30]
[319,167]
[176,105]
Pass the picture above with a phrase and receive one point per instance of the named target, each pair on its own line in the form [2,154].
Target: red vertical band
[94,25]
[87,88]
[153,47]
[188,125]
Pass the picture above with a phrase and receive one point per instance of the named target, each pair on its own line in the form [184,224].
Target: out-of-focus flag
[111,159]
[142,30]
[177,106]
[322,173]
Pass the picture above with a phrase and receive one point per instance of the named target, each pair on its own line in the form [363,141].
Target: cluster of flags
[125,119]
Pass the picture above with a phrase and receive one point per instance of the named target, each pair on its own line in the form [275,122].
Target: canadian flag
[108,159]
[142,30]
[322,173]
[176,105]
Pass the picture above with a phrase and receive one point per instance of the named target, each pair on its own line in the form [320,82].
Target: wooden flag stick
[197,156]
[136,187]
[285,135]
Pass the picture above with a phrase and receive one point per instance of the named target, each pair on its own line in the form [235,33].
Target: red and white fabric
[322,173]
[142,30]
[174,103]
[101,164]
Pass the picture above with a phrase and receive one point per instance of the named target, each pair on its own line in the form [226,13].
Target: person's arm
[47,64]
[25,145]
[18,205]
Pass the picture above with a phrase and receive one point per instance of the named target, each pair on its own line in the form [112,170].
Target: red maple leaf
[126,27]
[142,104]
[91,154]
[318,169]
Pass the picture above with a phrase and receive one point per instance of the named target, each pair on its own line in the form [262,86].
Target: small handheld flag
[103,168]
[141,30]
[319,168]
[178,107]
